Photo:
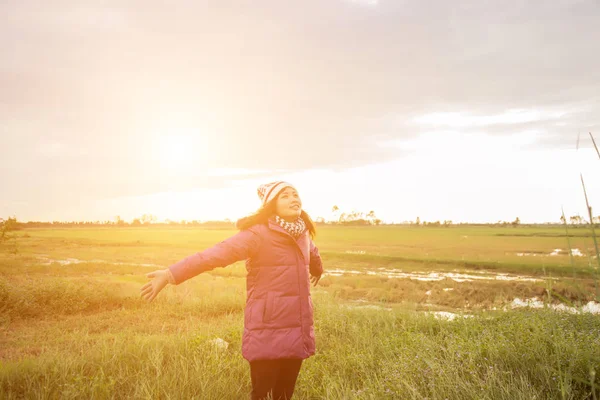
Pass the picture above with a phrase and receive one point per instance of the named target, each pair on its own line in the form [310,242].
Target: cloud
[279,85]
[368,3]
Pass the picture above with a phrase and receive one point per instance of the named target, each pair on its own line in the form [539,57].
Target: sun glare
[178,141]
[176,151]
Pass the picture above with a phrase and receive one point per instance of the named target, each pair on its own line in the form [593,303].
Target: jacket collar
[276,227]
[300,241]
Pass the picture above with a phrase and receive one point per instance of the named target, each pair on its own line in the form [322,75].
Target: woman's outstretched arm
[237,248]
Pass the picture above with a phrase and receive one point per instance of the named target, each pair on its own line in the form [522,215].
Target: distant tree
[371,217]
[418,221]
[6,226]
[2,230]
[447,222]
[516,222]
[147,219]
[10,224]
[354,217]
[576,219]
[335,211]
[136,222]
[563,220]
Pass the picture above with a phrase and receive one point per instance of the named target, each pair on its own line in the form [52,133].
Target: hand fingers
[149,294]
[147,290]
[151,274]
[147,285]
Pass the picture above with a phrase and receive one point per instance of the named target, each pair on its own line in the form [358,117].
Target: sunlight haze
[462,111]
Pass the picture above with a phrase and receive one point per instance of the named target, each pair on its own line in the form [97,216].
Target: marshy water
[74,261]
[553,253]
[434,276]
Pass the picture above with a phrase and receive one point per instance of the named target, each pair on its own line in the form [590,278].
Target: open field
[72,324]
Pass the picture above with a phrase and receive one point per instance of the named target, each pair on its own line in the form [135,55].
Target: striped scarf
[295,228]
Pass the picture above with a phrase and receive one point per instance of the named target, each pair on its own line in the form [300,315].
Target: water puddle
[432,276]
[555,252]
[591,307]
[74,261]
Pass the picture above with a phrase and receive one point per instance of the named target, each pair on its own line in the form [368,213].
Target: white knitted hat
[269,191]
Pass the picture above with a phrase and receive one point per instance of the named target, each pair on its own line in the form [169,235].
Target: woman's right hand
[160,279]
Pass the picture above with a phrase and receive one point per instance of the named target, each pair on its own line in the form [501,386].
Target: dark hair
[267,211]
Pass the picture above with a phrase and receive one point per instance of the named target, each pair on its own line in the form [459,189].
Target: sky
[467,111]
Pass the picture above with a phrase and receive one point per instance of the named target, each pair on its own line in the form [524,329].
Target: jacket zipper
[298,278]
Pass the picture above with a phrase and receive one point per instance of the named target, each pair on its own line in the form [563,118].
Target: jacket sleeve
[316,264]
[237,248]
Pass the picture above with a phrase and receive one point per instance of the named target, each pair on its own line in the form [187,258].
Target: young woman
[282,261]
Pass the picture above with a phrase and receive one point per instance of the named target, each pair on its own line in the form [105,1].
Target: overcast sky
[462,110]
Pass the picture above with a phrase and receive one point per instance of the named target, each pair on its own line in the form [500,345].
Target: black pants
[277,377]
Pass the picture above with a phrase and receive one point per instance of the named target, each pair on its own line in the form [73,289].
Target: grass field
[72,324]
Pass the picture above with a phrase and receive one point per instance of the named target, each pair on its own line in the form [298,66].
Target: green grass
[363,354]
[478,246]
[81,330]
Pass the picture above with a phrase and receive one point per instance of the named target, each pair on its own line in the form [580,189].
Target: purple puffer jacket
[278,319]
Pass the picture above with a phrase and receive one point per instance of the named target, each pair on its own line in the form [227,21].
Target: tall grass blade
[568,240]
[596,147]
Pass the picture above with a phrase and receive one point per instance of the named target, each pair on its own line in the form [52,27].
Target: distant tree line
[12,224]
[353,218]
[578,220]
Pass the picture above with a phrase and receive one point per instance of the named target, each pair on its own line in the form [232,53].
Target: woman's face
[288,204]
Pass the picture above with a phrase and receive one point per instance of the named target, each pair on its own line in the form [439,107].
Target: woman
[282,261]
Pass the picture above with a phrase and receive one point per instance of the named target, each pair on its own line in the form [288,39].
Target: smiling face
[288,204]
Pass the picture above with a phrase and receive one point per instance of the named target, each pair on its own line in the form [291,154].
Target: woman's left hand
[314,279]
